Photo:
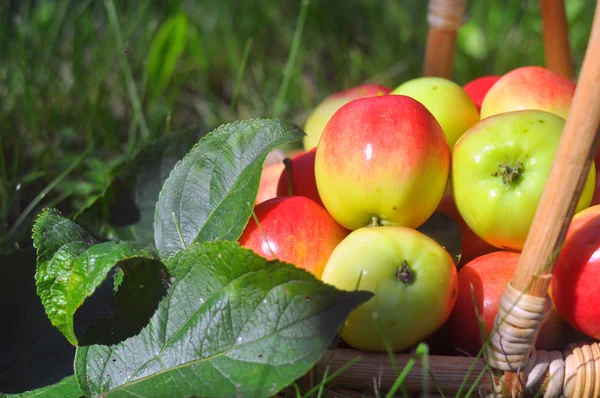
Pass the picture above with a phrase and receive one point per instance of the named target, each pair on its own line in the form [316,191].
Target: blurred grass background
[108,77]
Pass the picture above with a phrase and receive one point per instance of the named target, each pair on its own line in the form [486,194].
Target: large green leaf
[66,388]
[210,193]
[126,208]
[33,353]
[232,324]
[71,266]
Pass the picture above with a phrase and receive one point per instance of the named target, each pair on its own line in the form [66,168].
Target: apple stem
[404,274]
[510,175]
[287,162]
[375,222]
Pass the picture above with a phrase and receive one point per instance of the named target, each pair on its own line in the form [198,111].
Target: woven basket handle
[445,17]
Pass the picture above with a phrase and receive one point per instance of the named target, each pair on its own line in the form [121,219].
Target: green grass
[115,75]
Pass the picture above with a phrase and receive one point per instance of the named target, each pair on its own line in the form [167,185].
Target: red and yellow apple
[299,175]
[293,229]
[414,281]
[317,120]
[446,100]
[477,88]
[577,270]
[499,171]
[382,160]
[529,87]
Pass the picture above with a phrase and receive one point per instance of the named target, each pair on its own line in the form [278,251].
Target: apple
[414,281]
[529,87]
[293,229]
[577,271]
[382,160]
[301,169]
[472,245]
[446,100]
[267,188]
[489,274]
[477,89]
[316,121]
[499,171]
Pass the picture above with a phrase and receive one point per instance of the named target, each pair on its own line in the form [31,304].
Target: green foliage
[71,265]
[248,326]
[66,388]
[210,194]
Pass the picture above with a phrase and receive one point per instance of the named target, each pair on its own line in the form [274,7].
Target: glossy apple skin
[384,157]
[302,177]
[501,213]
[318,119]
[476,89]
[489,274]
[575,288]
[297,231]
[267,188]
[529,87]
[405,313]
[446,100]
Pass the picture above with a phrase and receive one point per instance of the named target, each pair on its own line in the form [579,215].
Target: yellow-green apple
[499,170]
[414,281]
[293,229]
[488,276]
[477,88]
[317,120]
[529,87]
[382,160]
[446,100]
[577,270]
[299,177]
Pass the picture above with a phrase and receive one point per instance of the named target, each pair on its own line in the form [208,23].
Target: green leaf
[445,231]
[210,194]
[71,267]
[66,388]
[33,353]
[231,324]
[165,50]
[126,208]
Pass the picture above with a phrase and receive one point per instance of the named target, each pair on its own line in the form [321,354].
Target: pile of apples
[377,163]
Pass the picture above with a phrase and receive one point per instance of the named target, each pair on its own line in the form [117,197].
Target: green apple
[319,117]
[446,100]
[414,281]
[382,160]
[499,171]
[529,87]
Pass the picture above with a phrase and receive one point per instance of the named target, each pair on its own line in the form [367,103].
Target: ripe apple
[322,113]
[472,245]
[529,87]
[302,177]
[267,188]
[382,160]
[499,170]
[293,229]
[477,89]
[414,281]
[489,274]
[446,100]
[577,271]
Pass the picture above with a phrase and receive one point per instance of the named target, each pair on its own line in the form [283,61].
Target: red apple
[293,229]
[267,188]
[319,117]
[382,161]
[302,177]
[529,87]
[577,271]
[489,274]
[477,89]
